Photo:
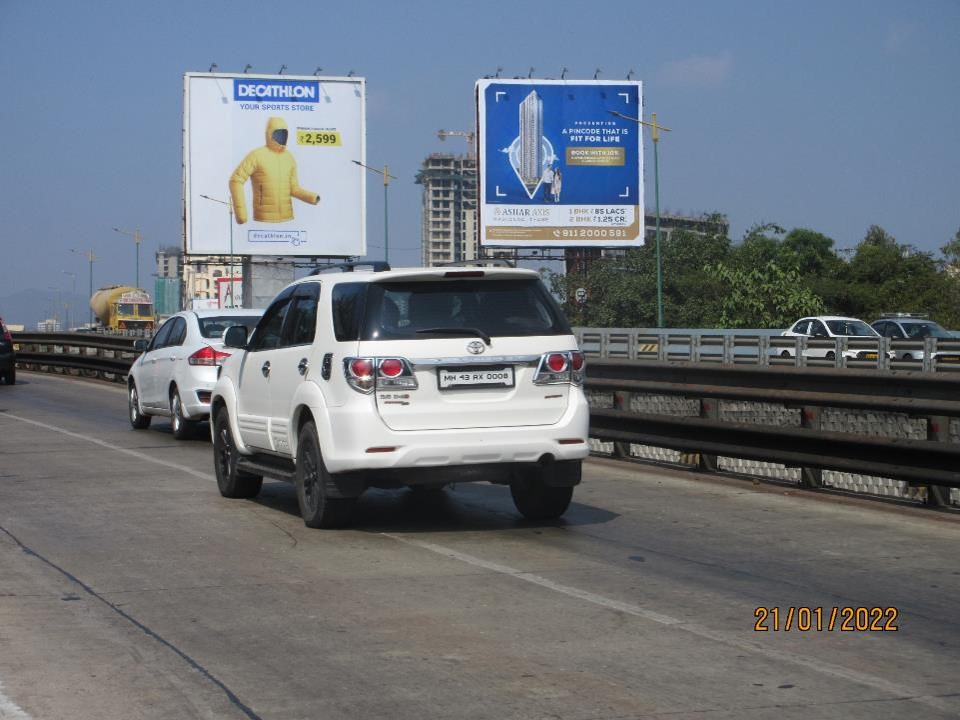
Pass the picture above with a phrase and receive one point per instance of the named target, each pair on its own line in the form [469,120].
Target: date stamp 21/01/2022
[819,619]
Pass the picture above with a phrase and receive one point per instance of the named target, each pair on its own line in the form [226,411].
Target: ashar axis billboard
[556,167]
[268,165]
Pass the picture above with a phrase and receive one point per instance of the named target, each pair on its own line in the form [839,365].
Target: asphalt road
[130,589]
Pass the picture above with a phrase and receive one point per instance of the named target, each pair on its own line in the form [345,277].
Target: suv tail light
[558,368]
[208,356]
[367,374]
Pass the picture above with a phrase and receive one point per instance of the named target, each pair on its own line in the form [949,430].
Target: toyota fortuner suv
[403,378]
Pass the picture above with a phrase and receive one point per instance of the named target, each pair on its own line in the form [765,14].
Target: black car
[8,357]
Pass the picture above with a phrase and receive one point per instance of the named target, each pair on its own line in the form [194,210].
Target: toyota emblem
[475,347]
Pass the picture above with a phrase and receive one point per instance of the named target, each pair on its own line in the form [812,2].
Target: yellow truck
[122,307]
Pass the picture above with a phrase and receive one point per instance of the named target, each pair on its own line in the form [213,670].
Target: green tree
[691,298]
[759,247]
[951,251]
[763,297]
[878,237]
[810,252]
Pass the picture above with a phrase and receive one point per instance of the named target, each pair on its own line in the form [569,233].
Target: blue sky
[827,115]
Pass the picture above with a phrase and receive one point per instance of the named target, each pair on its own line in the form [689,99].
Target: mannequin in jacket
[273,171]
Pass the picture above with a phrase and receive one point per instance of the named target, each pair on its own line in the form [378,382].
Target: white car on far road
[176,372]
[833,327]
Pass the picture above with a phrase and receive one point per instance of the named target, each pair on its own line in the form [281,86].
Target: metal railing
[928,397]
[768,347]
[105,357]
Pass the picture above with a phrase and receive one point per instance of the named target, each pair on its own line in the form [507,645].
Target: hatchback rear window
[214,327]
[428,309]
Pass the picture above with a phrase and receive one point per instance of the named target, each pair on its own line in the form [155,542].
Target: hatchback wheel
[183,429]
[231,482]
[138,419]
[311,479]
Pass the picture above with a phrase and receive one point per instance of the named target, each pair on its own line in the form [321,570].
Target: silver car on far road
[907,327]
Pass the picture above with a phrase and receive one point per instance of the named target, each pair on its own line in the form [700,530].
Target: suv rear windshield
[412,309]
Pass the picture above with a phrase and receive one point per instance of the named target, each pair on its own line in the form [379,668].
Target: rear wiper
[455,331]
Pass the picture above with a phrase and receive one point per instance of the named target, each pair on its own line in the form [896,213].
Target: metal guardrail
[106,357]
[931,397]
[764,347]
[934,398]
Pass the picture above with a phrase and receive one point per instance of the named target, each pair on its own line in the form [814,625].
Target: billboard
[557,169]
[268,165]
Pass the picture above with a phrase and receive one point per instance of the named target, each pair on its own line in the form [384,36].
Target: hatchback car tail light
[208,356]
[558,368]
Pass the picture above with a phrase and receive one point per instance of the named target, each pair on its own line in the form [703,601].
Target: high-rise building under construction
[448,224]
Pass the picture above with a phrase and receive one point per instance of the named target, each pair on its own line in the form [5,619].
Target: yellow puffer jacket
[274,174]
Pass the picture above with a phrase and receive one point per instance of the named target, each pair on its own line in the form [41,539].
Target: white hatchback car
[404,378]
[833,327]
[175,374]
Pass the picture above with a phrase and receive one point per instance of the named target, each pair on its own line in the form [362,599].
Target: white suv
[392,378]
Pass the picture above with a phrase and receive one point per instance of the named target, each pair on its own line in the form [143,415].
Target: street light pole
[73,295]
[655,134]
[387,177]
[656,195]
[90,257]
[230,225]
[136,239]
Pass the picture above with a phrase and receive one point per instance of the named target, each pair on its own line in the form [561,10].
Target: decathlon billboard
[268,165]
[557,169]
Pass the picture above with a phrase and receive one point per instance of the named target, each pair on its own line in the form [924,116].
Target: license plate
[475,377]
[948,358]
[869,356]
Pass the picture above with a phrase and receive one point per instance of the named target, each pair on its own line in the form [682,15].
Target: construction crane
[469,135]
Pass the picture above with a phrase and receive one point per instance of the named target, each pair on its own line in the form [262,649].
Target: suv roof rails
[905,316]
[374,265]
[479,262]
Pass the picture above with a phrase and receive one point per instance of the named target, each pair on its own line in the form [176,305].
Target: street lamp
[90,257]
[229,207]
[56,308]
[136,239]
[656,188]
[387,177]
[73,295]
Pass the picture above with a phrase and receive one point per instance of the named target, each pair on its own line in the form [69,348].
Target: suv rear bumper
[356,443]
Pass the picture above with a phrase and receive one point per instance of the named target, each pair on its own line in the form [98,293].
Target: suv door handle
[302,367]
[265,368]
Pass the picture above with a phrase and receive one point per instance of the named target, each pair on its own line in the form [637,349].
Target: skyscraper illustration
[531,146]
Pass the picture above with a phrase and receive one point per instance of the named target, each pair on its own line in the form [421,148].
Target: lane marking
[9,710]
[132,453]
[899,692]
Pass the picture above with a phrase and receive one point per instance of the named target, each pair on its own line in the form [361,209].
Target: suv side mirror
[235,337]
[140,345]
